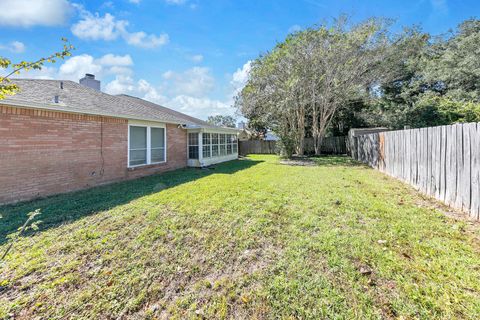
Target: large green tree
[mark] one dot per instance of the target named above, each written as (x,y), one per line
(305,80)
(438,83)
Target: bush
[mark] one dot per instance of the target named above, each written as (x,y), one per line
(285,147)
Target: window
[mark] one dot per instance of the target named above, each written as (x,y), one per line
(146,145)
(223,144)
(193,145)
(157,145)
(229,143)
(206,145)
(234,144)
(138,146)
(215,152)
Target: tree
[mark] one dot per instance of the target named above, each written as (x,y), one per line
(454,65)
(8,88)
(304,81)
(222,121)
(437,82)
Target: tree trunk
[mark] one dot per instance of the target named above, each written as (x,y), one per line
(300,148)
(315,130)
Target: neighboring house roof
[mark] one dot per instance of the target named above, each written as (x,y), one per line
(271,136)
(77,98)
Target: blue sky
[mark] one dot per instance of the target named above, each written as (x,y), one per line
(190,55)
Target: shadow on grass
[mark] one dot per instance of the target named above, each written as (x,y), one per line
(66,208)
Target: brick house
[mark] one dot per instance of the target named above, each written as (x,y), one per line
(60,136)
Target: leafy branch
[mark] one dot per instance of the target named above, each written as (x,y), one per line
(8,88)
(14,236)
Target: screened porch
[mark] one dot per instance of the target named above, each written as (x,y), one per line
(209,147)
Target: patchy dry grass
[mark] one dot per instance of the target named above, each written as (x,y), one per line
(250,239)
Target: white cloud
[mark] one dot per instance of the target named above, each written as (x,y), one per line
(115,70)
(196,81)
(14,46)
(197,58)
(121,84)
(134,1)
(240,77)
(177,2)
(94,27)
(113,60)
(27,13)
(141,88)
(199,107)
(76,67)
(143,40)
(107,27)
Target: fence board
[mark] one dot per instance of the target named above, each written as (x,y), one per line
(466,172)
(475,153)
(443,162)
(330,145)
(459,161)
(443,153)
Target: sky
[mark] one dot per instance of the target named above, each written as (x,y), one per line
(188,55)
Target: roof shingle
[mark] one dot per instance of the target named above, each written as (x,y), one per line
(77,98)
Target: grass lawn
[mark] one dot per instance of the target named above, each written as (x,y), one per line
(251,238)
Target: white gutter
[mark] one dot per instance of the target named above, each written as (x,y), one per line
(203,128)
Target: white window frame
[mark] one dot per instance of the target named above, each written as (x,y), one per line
(224,144)
(209,144)
(149,144)
(198,145)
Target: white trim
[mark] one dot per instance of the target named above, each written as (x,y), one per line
(149,143)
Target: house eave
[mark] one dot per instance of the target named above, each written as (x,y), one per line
(201,128)
(65,108)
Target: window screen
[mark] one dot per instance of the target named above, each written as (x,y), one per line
(157,137)
(138,146)
(206,145)
(193,145)
(223,144)
(215,145)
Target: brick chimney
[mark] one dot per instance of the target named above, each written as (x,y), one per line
(89,81)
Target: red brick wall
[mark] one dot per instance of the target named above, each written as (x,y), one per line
(44,152)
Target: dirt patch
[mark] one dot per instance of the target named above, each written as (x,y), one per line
(305,162)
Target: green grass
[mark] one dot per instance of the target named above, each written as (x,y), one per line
(249,239)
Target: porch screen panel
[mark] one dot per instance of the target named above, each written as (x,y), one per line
(193,146)
(215,151)
(223,144)
(206,145)
(234,143)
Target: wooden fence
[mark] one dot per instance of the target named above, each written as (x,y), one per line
(256,147)
(442,162)
(330,145)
